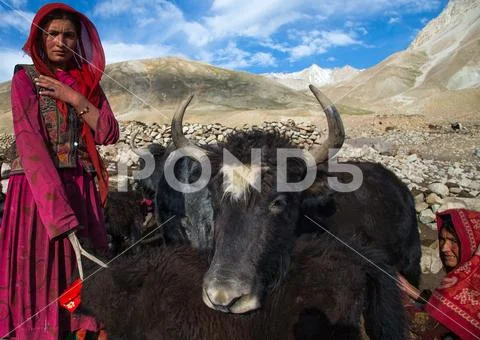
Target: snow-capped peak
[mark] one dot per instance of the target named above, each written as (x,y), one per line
(315,75)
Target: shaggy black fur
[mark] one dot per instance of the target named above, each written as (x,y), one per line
(157,295)
(381,213)
(124,220)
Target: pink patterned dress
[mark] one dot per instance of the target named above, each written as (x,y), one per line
(37,262)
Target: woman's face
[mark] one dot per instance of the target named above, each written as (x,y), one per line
(449,249)
(59,39)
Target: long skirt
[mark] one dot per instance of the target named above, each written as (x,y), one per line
(34,270)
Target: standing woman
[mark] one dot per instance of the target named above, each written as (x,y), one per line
(59,114)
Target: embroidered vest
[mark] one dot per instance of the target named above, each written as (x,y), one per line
(65,142)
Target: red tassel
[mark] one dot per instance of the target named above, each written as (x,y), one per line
(70,299)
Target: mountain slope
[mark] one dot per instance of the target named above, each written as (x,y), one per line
(438,75)
(165,81)
(452,42)
(150,91)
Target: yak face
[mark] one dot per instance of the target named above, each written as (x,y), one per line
(148,186)
(254,224)
(255,216)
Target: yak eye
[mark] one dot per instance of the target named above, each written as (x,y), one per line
(278,204)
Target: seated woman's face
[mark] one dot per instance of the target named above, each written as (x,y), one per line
(449,249)
(59,38)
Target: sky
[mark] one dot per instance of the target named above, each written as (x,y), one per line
(257,36)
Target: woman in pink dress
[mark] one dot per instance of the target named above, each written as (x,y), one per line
(59,114)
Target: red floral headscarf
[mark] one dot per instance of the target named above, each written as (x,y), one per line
(456,303)
(87,69)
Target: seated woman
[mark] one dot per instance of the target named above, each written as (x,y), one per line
(453,309)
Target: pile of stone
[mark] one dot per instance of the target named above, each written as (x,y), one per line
(443,178)
(5,141)
(441,197)
(303,134)
(6,147)
(451,181)
(460,178)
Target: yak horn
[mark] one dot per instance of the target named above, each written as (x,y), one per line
(178,137)
(336,132)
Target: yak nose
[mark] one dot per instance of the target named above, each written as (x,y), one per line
(221,294)
(226,298)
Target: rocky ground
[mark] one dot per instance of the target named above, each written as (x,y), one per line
(439,162)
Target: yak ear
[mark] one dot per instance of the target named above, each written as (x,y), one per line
(318,200)
(317,204)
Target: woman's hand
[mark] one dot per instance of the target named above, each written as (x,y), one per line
(53,88)
(58,90)
(408,288)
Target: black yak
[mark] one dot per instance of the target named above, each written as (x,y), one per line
(255,226)
(381,211)
(255,221)
(192,212)
(157,295)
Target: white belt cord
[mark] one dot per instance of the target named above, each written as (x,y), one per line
(79,251)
